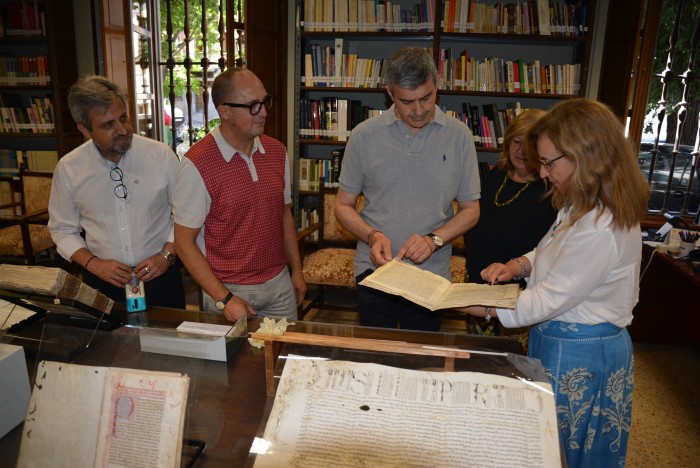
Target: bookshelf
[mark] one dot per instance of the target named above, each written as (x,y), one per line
(37,66)
(493,59)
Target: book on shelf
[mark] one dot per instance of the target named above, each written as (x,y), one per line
(336,166)
(543,24)
(108,410)
(10,161)
(435,292)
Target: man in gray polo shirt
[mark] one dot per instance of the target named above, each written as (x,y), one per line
(410,163)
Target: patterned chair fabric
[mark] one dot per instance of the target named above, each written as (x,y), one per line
(27,235)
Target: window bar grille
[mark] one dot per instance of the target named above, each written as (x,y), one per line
(667,78)
(189,62)
(688,79)
(188,73)
(205,67)
(170,67)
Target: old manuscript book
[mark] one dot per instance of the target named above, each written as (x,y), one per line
(435,292)
(85,416)
(53,282)
(340,413)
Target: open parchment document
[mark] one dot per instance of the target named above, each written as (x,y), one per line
(346,414)
(435,292)
(85,416)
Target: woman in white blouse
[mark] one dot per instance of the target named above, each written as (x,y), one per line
(583,277)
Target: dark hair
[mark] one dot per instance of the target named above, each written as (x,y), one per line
(92,92)
(409,67)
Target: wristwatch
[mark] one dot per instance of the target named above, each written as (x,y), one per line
(221,305)
(437,240)
(169,256)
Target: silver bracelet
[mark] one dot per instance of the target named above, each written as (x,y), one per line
(523,271)
(487,317)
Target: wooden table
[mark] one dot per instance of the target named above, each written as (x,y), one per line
(227,404)
(668,311)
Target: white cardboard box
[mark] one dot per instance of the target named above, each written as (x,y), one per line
(14,387)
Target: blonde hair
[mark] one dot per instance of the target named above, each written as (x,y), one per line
(518,127)
(606,174)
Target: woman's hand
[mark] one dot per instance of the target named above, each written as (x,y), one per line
(498,273)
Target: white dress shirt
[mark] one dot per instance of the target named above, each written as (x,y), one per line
(587,273)
(128,230)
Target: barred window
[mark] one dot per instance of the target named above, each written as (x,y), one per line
(668,155)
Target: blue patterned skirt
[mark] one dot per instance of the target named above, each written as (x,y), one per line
(591,369)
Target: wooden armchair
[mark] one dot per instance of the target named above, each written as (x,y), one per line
(25,235)
(331,264)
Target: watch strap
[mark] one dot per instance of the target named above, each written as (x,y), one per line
(437,240)
(228,297)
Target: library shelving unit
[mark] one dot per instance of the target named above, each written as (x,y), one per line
(493,58)
(37,66)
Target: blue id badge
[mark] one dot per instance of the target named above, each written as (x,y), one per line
(135,295)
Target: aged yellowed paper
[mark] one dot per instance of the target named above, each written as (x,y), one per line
(435,292)
(338,413)
(103,416)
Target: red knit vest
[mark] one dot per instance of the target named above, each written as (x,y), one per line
(244,230)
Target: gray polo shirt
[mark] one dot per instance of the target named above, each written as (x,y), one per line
(409,182)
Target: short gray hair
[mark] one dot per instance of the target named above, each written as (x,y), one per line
(409,67)
(92,92)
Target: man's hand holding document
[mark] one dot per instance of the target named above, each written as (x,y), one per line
(435,292)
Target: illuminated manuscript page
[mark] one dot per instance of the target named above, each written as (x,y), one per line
(85,416)
(435,292)
(345,414)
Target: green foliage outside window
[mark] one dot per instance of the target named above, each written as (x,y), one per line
(194,11)
(679,66)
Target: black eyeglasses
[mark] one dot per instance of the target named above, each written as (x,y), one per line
(117,175)
(254,107)
(548,162)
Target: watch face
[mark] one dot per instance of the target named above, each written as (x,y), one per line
(220,305)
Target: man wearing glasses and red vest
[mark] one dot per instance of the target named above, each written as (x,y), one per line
(117,187)
(234,228)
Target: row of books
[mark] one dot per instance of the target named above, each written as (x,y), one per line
(37,118)
(331,66)
(32,160)
(368,15)
(24,71)
(25,18)
(41,160)
(533,17)
(507,76)
(311,171)
(488,123)
(331,118)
